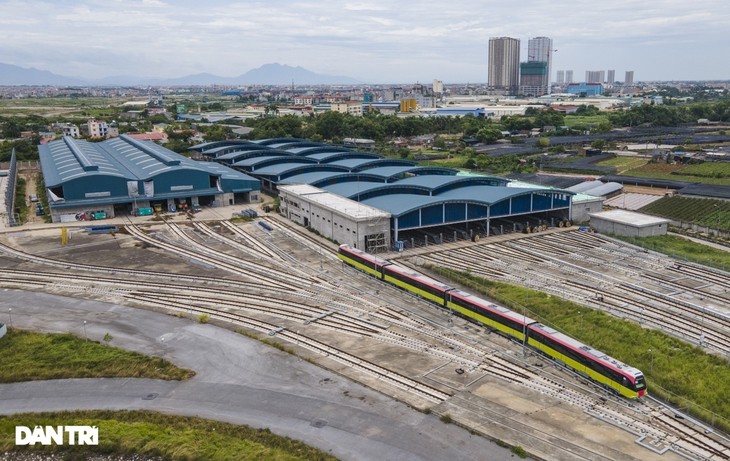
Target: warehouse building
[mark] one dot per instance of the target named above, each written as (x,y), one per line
(336,217)
(628,223)
(87,180)
(406,203)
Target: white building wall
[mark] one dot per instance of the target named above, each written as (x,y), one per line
(332,224)
(627,230)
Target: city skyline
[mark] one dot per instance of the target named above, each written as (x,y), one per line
(372,41)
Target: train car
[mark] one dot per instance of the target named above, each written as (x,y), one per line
(614,375)
(491,315)
(416,283)
(360,260)
(619,377)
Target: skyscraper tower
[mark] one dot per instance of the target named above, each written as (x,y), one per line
(541,49)
(629,79)
(504,65)
(611,78)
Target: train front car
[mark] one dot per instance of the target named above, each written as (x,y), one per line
(363,261)
(609,372)
(491,315)
(416,283)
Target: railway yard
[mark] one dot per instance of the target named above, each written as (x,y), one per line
(279,283)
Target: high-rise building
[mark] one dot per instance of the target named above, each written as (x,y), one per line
(438,87)
(504,65)
(611,77)
(629,79)
(595,76)
(540,49)
(561,77)
(534,78)
(568,76)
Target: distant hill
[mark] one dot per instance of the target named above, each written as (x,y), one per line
(15,75)
(280,74)
(268,74)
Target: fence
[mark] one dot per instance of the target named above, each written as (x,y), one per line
(10,191)
(698,228)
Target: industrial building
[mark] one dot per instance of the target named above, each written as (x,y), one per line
(628,223)
(336,217)
(378,203)
(86,180)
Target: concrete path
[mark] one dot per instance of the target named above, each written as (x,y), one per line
(239,380)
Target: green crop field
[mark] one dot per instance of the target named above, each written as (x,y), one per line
(705,212)
(713,173)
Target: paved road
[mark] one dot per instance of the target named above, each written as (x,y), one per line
(238,380)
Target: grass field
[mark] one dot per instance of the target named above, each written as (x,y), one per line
(169,437)
(623,164)
(682,248)
(716,174)
(676,370)
(30,356)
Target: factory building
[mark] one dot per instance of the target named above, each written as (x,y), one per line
(85,180)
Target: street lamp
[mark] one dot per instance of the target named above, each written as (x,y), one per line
(85,337)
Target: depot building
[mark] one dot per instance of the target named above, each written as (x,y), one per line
(119,175)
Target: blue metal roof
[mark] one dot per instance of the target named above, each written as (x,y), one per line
(105,172)
(352,190)
(311,177)
(387,172)
(69,158)
(258,162)
(282,169)
(248,153)
(307,151)
(267,142)
(400,204)
(370,162)
(326,157)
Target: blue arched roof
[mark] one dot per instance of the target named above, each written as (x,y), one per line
(232,157)
(307,151)
(327,157)
(286,170)
(357,164)
(256,163)
(269,141)
(401,204)
(213,144)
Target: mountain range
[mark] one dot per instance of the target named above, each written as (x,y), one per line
(268,74)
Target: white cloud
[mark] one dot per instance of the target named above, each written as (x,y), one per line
(371,40)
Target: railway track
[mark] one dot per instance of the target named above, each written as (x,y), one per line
(355,316)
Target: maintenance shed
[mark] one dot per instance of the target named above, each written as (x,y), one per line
(85,180)
(628,223)
(336,217)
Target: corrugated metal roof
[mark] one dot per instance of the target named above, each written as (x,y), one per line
(400,204)
(371,162)
(124,157)
(310,177)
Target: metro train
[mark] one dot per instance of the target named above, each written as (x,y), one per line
(607,371)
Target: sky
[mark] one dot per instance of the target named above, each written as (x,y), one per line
(373,41)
